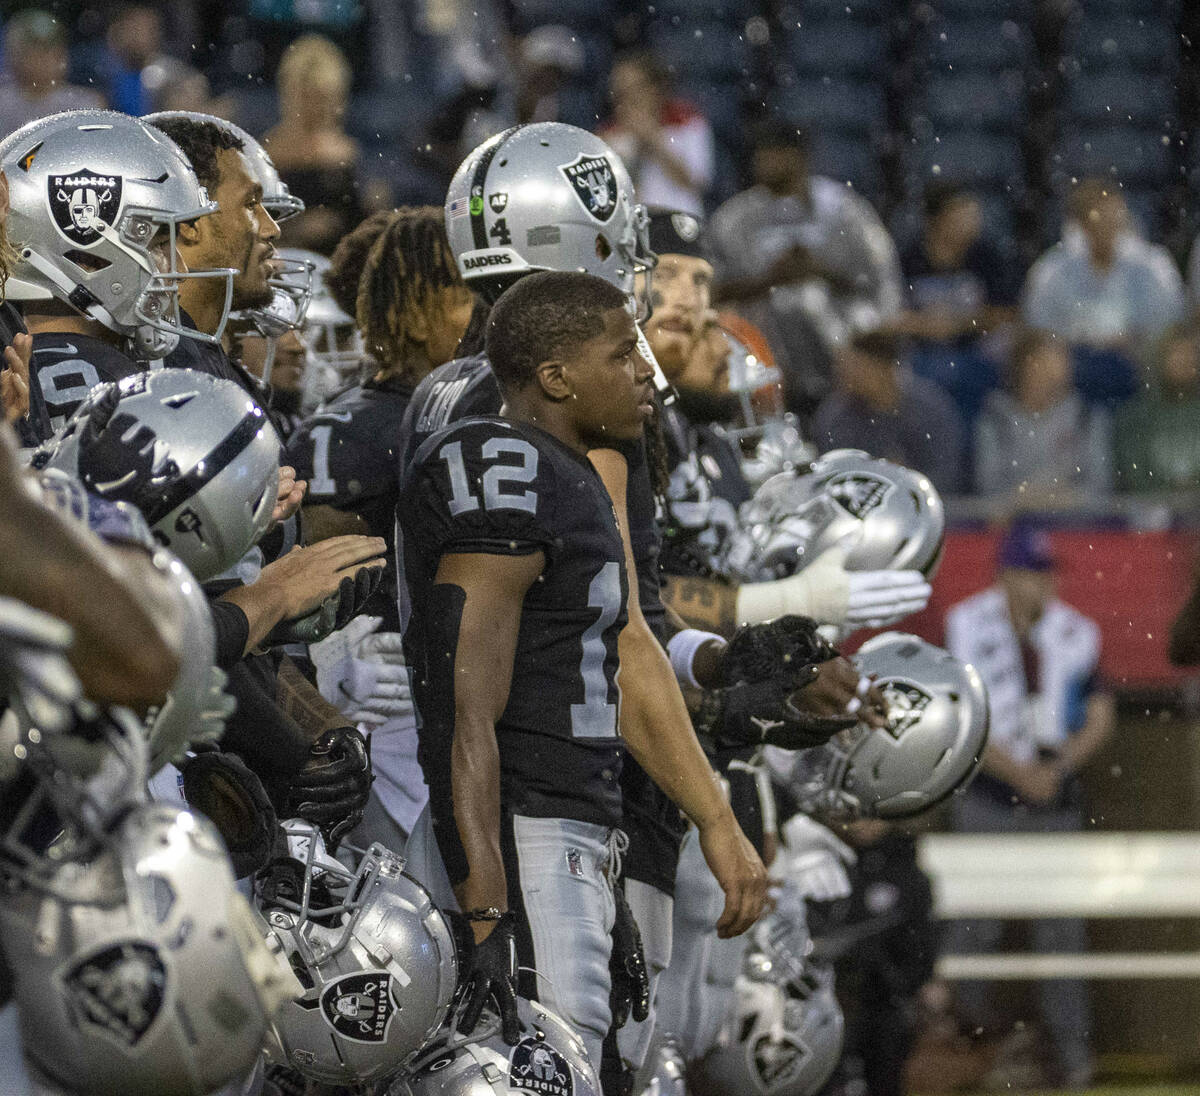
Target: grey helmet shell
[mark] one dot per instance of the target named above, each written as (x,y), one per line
(549,1058)
(218,500)
(545,196)
(378,966)
(933,744)
(142,970)
(890,518)
(96,199)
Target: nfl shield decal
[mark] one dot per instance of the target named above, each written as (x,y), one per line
(119,990)
(83,203)
(595,185)
(360,1006)
(534,1066)
(905,703)
(857,492)
(776,1060)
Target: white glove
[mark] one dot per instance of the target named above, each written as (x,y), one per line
(830,594)
(361,672)
(816,859)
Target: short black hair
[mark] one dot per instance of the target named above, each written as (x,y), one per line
(943,193)
(541,316)
(200,143)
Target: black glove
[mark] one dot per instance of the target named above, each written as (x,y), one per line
(488,974)
(221,787)
(762,713)
(332,788)
(627,966)
(117,458)
(788,645)
(335,612)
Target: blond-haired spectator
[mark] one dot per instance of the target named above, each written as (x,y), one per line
(315,155)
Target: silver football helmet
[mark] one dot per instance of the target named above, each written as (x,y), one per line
(545,196)
(96,201)
(292,280)
(142,970)
(197,705)
(933,743)
(549,1058)
(375,956)
(890,516)
(336,355)
(665,1072)
(215,463)
(782,1038)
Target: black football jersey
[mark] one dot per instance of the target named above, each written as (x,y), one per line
(210,359)
(346,451)
(64,368)
(491,486)
(458,389)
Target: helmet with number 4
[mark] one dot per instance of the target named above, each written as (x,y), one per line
(142,970)
(545,196)
(549,1059)
(96,201)
(932,745)
(890,517)
(782,1038)
(375,956)
(206,474)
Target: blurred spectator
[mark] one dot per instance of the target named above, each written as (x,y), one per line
(1039,438)
(171,84)
(1158,434)
(1039,659)
(550,57)
(960,285)
(883,943)
(1102,286)
(134,46)
(880,406)
(315,155)
(805,258)
(35,61)
(666,143)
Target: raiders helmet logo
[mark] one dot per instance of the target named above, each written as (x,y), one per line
(360,1006)
(905,703)
(83,203)
(118,990)
(777,1059)
(595,185)
(534,1066)
(857,492)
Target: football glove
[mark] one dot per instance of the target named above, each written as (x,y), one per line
(489,975)
(361,671)
(332,788)
(220,787)
(630,993)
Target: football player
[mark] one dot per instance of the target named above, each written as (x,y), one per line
(100,200)
(413,308)
(516,570)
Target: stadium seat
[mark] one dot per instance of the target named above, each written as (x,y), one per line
(847,106)
(721,105)
(972,157)
(1163,8)
(731,12)
(700,51)
(837,48)
(982,9)
(846,159)
(1120,98)
(1144,45)
(575,14)
(870,11)
(1125,153)
(974,100)
(977,45)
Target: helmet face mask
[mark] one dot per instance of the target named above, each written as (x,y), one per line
(96,201)
(932,746)
(375,957)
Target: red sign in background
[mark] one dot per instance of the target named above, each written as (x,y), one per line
(1131,583)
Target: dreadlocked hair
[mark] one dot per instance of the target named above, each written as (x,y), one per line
(408,262)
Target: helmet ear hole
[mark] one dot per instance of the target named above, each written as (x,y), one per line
(603,248)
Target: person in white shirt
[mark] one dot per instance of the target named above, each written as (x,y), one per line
(1039,659)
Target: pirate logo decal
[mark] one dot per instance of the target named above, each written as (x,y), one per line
(905,703)
(83,204)
(118,990)
(777,1059)
(857,492)
(535,1066)
(595,185)
(360,1006)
